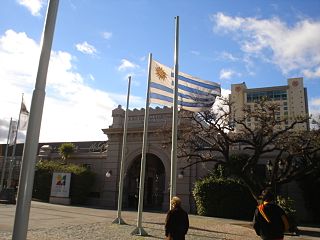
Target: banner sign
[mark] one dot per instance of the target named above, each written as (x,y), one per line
(60,184)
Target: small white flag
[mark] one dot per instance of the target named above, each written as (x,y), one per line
(12,132)
(24,117)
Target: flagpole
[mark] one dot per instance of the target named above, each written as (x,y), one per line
(5,158)
(14,149)
(173,179)
(21,220)
(119,220)
(139,230)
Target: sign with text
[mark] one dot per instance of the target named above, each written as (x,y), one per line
(60,186)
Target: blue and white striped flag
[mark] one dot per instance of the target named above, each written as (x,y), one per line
(194,94)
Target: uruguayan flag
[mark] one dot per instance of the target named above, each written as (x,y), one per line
(194,94)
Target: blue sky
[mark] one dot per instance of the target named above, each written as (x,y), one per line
(99,43)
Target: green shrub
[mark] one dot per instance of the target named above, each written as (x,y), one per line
(223,197)
(287,204)
(81,180)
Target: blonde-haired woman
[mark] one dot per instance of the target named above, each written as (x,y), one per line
(177,221)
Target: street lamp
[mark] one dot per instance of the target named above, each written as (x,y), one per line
(269,169)
(109,174)
(269,166)
(181,174)
(274,177)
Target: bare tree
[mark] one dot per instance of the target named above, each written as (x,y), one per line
(211,136)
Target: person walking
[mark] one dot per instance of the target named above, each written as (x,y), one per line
(270,221)
(177,221)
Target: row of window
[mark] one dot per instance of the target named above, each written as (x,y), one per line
(274,95)
(286,123)
(256,120)
(285,107)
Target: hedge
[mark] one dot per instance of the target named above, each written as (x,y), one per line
(223,197)
(81,180)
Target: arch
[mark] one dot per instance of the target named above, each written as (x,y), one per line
(155,179)
(162,154)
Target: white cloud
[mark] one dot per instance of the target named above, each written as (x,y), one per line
(312,73)
(227,74)
(126,65)
(67,114)
(225,92)
(314,108)
(142,59)
(86,48)
(315,102)
(226,22)
(292,48)
(107,35)
(194,52)
(34,6)
(228,56)
(91,77)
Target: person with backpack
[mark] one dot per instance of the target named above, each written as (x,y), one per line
(270,221)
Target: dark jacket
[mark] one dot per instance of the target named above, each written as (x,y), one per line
(270,226)
(177,223)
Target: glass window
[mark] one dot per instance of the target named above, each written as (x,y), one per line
(284,95)
(270,95)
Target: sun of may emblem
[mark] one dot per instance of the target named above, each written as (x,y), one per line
(161,74)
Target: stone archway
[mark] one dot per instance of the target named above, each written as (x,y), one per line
(154,183)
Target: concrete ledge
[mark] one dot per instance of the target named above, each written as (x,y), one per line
(60,200)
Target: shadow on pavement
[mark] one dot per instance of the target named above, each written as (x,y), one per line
(207,230)
(201,236)
(310,233)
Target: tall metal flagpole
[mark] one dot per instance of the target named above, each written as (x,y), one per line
(21,220)
(119,220)
(5,158)
(173,178)
(14,149)
(139,230)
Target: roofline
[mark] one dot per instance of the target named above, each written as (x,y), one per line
(266,89)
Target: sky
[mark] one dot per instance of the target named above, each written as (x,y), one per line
(99,43)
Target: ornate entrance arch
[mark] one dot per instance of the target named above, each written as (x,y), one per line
(156,195)
(154,182)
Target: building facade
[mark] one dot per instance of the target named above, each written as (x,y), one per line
(105,157)
(291,98)
(157,177)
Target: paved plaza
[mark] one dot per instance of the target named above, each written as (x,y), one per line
(49,221)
